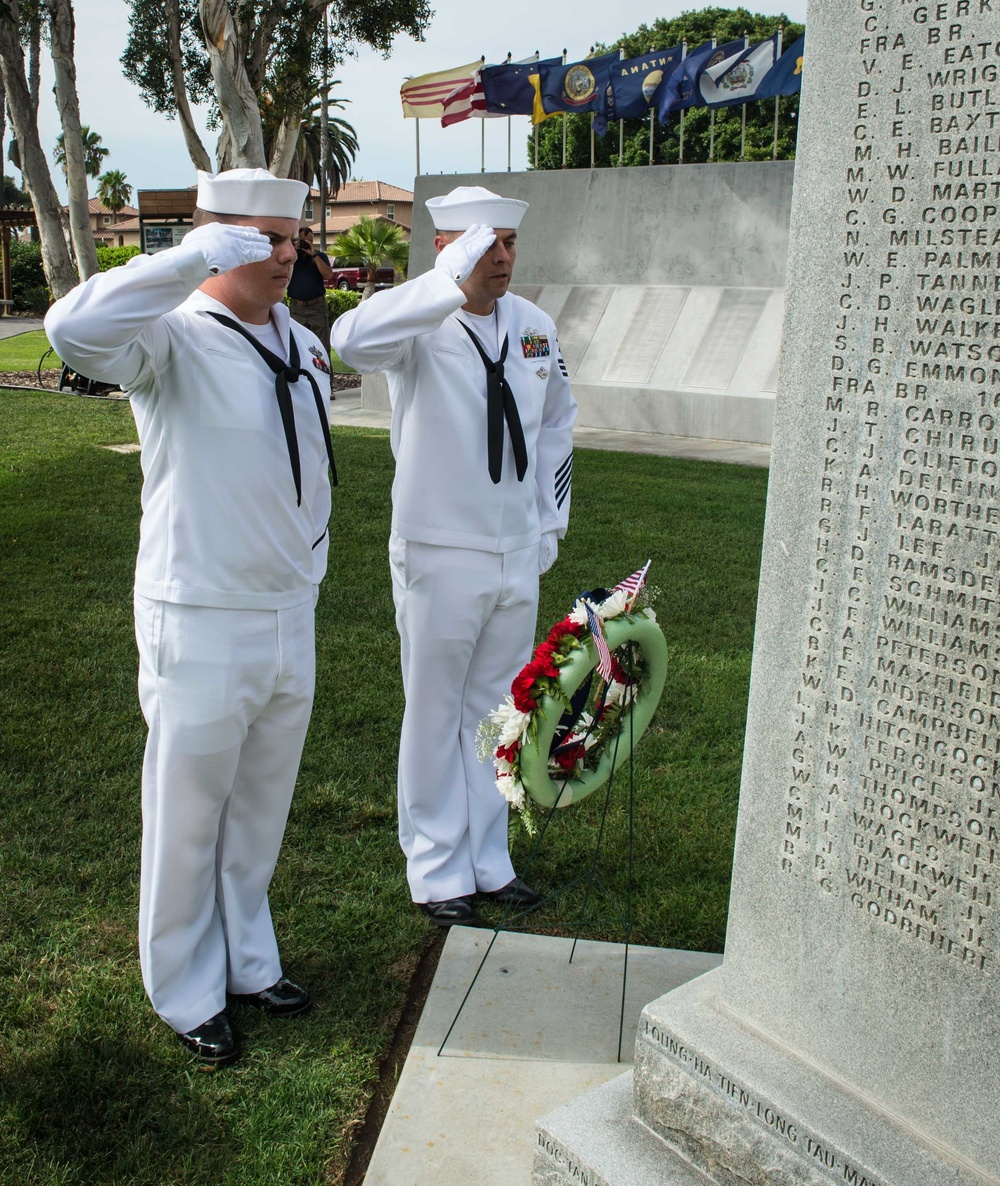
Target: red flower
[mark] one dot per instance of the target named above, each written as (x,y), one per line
(508,752)
(543,663)
(567,758)
(561,629)
(521,690)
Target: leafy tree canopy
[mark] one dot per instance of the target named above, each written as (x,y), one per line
(698,26)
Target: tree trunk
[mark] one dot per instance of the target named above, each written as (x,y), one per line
(285,143)
(196,150)
(237,99)
(68,104)
(35,168)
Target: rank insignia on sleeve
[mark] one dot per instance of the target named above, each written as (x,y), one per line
(319,362)
(534,344)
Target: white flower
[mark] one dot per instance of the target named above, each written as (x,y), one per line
(511,790)
(511,721)
(578,614)
(504,768)
(614,606)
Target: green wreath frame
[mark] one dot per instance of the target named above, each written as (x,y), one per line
(536,778)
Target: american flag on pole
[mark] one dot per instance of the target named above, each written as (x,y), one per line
(600,644)
(464,101)
(634,583)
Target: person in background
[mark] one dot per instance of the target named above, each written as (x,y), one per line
(307,288)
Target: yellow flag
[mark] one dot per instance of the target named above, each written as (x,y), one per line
(423,97)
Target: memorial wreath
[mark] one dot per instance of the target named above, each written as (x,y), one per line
(560,732)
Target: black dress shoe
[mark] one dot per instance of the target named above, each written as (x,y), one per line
(451,912)
(213,1042)
(514,893)
(283,999)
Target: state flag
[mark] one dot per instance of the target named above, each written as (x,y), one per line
(508,88)
(736,79)
(636,81)
(786,76)
(679,90)
(576,86)
(423,97)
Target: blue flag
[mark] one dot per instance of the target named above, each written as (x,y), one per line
(786,76)
(680,90)
(508,88)
(576,86)
(737,79)
(635,81)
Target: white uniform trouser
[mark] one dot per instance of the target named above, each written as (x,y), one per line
(466,622)
(227,696)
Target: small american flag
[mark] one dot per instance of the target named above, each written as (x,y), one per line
(600,644)
(634,583)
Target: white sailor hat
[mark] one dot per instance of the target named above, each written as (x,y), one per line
(471,205)
(249,192)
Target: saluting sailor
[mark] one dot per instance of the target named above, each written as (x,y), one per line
(230,399)
(482,424)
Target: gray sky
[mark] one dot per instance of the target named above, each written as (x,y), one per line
(150,149)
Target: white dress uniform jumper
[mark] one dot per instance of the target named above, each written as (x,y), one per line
(482,436)
(233,545)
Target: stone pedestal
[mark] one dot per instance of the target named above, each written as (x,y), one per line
(853,1030)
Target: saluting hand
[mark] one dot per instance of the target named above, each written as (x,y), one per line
(458,259)
(226,246)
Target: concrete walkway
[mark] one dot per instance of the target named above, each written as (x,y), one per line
(346,410)
(536,1032)
(10,327)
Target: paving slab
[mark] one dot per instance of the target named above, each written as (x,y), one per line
(347,410)
(535,1032)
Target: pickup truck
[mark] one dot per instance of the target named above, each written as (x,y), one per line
(352,279)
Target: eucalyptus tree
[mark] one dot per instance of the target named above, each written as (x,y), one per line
(239,55)
(304,151)
(19,27)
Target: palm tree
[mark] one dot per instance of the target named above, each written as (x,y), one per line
(372,244)
(94,151)
(113,190)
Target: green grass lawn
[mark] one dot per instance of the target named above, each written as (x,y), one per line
(23,351)
(93,1088)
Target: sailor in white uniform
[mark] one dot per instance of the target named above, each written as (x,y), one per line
(482,423)
(230,398)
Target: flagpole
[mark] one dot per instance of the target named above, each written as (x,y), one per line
(621,122)
(743,126)
(711,123)
(564,122)
(777,100)
(536,146)
(482,146)
(680,148)
(592,140)
(509,55)
(416,128)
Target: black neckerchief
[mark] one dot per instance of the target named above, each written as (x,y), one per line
(285,373)
(500,404)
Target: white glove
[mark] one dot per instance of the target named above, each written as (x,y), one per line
(458,259)
(226,246)
(548,550)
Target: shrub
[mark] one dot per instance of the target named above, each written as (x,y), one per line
(30,292)
(114,257)
(338,302)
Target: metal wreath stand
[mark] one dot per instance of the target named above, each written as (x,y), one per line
(645,695)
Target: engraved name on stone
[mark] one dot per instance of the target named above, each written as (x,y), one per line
(893,789)
(728,1087)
